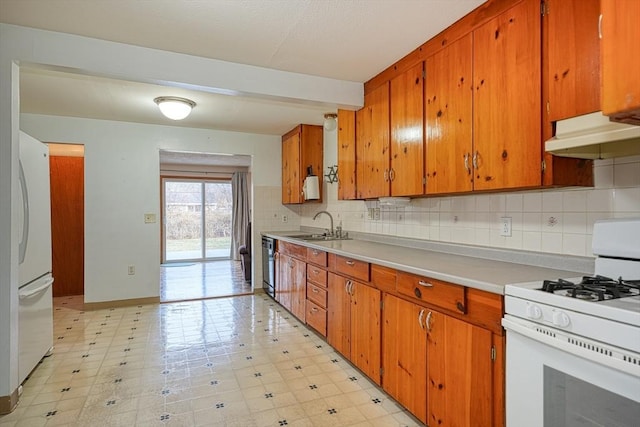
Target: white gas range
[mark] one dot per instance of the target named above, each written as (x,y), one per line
(573,344)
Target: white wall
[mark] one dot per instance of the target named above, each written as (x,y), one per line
(553,221)
(122,184)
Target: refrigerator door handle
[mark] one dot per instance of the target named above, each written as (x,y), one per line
(25,217)
(37,290)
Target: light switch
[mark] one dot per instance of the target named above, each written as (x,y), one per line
(149,218)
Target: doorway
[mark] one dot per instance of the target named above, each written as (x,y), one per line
(66,178)
(196,219)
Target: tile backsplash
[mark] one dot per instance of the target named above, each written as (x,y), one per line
(553,221)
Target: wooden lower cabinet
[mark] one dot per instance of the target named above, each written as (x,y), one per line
(440,368)
(353,323)
(404,355)
(291,288)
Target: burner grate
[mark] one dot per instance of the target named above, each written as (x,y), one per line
(594,288)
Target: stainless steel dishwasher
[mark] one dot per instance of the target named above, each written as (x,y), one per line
(269,265)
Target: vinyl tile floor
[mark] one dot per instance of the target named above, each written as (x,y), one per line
(242,361)
(197,280)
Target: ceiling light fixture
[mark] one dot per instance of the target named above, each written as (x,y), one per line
(330,121)
(173,107)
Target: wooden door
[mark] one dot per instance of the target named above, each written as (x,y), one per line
(346,155)
(365,330)
(407,133)
(372,149)
(620,60)
(573,54)
(291,168)
(298,288)
(449,118)
(67,224)
(459,371)
(404,354)
(338,315)
(506,100)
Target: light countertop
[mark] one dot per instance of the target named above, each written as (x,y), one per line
(475,272)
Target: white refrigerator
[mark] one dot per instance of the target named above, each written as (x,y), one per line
(35,313)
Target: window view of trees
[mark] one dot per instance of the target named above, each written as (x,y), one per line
(190,208)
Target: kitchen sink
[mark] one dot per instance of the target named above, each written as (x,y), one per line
(318,237)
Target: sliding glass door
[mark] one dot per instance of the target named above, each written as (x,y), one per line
(197,219)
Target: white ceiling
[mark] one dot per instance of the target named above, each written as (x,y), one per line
(350,40)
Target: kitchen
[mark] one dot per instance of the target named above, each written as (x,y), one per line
(615,194)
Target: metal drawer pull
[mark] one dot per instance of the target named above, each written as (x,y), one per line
(314,290)
(316,271)
(425,284)
(420,316)
(351,263)
(314,310)
(429,320)
(315,252)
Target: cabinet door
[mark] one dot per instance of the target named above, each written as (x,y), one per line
(459,369)
(372,149)
(620,60)
(404,354)
(407,139)
(365,330)
(449,119)
(506,101)
(573,55)
(290,169)
(338,315)
(283,280)
(298,288)
(346,155)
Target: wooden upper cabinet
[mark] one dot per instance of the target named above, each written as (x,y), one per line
(372,148)
(346,155)
(573,54)
(301,147)
(620,60)
(449,119)
(407,139)
(506,101)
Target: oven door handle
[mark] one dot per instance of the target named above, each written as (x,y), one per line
(604,354)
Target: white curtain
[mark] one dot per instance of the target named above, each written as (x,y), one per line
(240,218)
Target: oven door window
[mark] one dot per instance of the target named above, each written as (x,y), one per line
(572,402)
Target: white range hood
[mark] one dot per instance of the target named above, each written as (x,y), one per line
(593,136)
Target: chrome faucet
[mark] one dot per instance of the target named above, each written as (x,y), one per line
(330,217)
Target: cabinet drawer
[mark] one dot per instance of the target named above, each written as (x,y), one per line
(292,249)
(317,318)
(317,295)
(431,291)
(383,278)
(317,257)
(317,275)
(352,268)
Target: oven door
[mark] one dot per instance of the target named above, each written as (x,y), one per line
(548,386)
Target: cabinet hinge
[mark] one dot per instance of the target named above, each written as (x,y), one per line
(543,166)
(424,180)
(493,353)
(381,371)
(548,108)
(424,74)
(381,305)
(544,8)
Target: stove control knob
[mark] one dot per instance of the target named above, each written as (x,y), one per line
(533,311)
(561,319)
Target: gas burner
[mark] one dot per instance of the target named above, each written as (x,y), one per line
(593,288)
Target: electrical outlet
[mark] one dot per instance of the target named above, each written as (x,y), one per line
(370,213)
(149,218)
(131,270)
(505,226)
(285,218)
(376,214)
